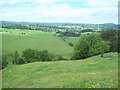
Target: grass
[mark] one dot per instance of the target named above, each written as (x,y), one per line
(13,41)
(93,72)
(73,40)
(0,79)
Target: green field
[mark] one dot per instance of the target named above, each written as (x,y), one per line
(12,41)
(94,72)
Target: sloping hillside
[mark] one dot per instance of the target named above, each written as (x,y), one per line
(13,40)
(92,72)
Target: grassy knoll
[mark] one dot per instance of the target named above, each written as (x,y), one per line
(93,72)
(14,40)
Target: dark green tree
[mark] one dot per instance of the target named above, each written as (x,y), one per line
(29,55)
(15,56)
(111,35)
(90,45)
(45,56)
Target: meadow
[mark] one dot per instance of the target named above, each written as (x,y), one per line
(13,40)
(94,72)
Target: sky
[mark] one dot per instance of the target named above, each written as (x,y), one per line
(72,11)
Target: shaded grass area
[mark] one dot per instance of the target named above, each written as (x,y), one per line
(94,72)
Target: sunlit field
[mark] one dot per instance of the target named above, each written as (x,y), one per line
(94,72)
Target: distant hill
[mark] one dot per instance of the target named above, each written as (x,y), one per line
(105,25)
(55,23)
(110,25)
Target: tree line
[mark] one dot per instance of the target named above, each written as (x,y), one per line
(30,55)
(62,31)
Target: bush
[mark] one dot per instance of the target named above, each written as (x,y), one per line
(68,34)
(15,56)
(32,55)
(4,64)
(29,54)
(70,44)
(44,55)
(58,58)
(20,60)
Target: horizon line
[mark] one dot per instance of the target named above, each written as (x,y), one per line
(55,22)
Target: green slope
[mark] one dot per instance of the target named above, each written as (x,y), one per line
(92,72)
(36,40)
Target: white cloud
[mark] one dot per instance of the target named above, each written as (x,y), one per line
(3,2)
(103,3)
(101,11)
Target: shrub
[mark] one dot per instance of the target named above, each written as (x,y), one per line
(4,62)
(44,55)
(32,55)
(15,56)
(29,54)
(70,44)
(58,58)
(20,60)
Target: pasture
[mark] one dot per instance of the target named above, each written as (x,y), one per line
(93,72)
(14,40)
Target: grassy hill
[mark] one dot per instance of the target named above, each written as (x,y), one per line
(94,72)
(14,40)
